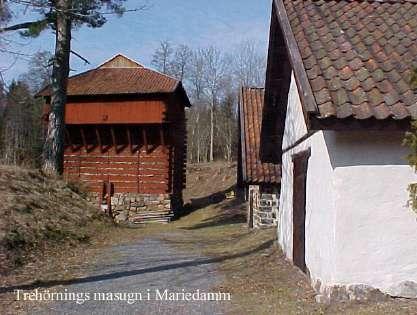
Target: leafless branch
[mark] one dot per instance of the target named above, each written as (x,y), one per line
(21,26)
(81,57)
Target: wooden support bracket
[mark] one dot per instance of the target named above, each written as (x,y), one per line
(68,136)
(113,137)
(84,139)
(145,139)
(100,143)
(129,139)
(162,138)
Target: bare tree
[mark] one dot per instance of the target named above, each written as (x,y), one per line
(249,64)
(2,98)
(212,79)
(181,62)
(5,14)
(40,71)
(162,57)
(214,74)
(196,76)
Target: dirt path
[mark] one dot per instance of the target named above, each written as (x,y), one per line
(151,265)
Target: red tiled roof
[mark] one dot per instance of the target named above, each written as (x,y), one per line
(358,55)
(250,111)
(119,75)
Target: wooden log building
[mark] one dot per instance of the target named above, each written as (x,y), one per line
(125,138)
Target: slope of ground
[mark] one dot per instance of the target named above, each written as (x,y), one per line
(209,180)
(39,212)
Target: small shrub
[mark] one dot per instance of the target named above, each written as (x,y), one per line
(24,209)
(15,240)
(53,234)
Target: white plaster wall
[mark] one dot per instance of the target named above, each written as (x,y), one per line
(376,240)
(320,214)
(359,229)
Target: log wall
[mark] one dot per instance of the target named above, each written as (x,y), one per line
(138,172)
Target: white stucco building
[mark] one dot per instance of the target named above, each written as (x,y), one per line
(341,102)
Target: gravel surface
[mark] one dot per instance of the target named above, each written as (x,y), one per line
(148,266)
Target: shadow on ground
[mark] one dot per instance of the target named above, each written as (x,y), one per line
(232,211)
(118,275)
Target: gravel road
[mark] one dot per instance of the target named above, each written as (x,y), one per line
(144,270)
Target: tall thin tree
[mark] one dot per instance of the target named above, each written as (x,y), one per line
(162,57)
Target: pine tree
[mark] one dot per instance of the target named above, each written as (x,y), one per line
(20,135)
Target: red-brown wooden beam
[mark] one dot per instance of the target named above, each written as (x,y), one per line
(145,139)
(100,143)
(129,139)
(113,137)
(162,137)
(84,139)
(108,200)
(68,136)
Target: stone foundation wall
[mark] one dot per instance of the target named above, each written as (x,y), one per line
(264,203)
(141,208)
(362,292)
(343,293)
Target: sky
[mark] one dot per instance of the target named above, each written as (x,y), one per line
(196,23)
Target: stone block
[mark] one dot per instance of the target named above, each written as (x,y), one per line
(406,289)
(265,209)
(265,203)
(267,196)
(267,221)
(121,217)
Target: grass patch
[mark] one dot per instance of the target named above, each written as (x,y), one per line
(41,212)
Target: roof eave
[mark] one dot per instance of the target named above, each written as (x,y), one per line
(242,135)
(306,94)
(183,93)
(351,123)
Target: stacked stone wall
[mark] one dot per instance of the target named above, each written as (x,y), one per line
(141,208)
(264,203)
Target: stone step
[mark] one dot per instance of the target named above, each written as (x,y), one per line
(152,216)
(151,220)
(153,213)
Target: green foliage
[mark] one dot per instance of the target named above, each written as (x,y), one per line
(21,130)
(414,78)
(82,12)
(14,239)
(410,140)
(35,28)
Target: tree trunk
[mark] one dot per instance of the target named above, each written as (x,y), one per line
(53,150)
(211,132)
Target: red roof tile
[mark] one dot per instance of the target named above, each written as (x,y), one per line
(250,110)
(358,55)
(119,75)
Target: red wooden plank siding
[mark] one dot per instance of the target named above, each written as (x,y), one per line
(137,172)
(115,112)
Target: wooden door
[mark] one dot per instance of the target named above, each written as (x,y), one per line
(300,162)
